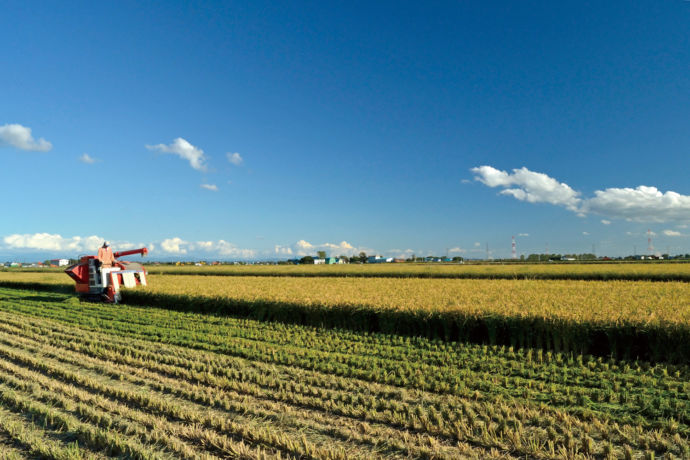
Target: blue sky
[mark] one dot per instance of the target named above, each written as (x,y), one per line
(357,126)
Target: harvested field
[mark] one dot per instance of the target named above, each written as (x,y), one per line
(80,380)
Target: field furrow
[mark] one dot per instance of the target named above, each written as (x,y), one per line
(156,383)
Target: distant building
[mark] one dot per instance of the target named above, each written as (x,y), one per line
(59,262)
(318,261)
(330,260)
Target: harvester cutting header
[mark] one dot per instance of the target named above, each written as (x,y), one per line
(99,277)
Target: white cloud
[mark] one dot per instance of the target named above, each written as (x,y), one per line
(477,244)
(174,245)
(52,242)
(585,233)
(672,233)
(212,248)
(641,204)
(682,226)
(234,158)
(456,250)
(227,249)
(211,187)
(88,159)
(305,248)
(523,234)
(605,222)
(20,137)
(283,250)
(529,186)
(184,150)
(342,246)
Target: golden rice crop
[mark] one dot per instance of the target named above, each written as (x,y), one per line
(600,271)
(608,302)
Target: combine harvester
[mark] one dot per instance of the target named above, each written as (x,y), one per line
(99,277)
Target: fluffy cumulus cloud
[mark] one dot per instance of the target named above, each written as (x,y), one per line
(304,248)
(672,233)
(457,250)
(530,186)
(214,249)
(641,204)
(235,158)
(76,245)
(20,137)
(605,222)
(182,148)
(52,242)
(88,159)
(211,187)
(174,245)
(282,250)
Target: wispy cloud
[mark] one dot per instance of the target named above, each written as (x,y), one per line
(88,159)
(212,187)
(641,204)
(182,148)
(523,234)
(672,233)
(20,137)
(605,222)
(235,158)
(585,233)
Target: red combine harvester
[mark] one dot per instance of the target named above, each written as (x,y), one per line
(99,277)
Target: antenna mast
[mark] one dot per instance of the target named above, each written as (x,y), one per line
(513,252)
(650,248)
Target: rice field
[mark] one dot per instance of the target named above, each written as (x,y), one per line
(640,319)
(630,271)
(87,381)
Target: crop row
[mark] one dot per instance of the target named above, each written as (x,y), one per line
(607,271)
(626,319)
(576,271)
(271,388)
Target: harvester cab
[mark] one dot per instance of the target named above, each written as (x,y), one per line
(101,282)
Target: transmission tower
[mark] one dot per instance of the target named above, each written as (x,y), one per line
(650,248)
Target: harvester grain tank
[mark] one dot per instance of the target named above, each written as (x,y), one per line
(100,277)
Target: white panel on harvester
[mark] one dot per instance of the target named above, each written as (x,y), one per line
(129,280)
